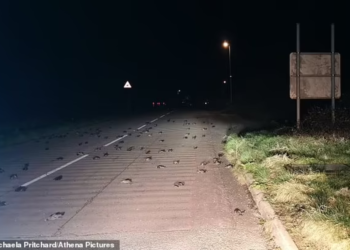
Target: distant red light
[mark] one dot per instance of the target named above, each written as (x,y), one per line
(158,103)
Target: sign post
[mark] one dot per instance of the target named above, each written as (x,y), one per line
(333,74)
(298,75)
(127,85)
(314,76)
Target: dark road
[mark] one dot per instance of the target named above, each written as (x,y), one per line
(119,180)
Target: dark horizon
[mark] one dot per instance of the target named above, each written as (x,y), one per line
(60,56)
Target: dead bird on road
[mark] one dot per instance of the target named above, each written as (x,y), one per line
(216,161)
(55,216)
(58,178)
(127,181)
(13,176)
(239,211)
(179,183)
(229,166)
(25,168)
(203,163)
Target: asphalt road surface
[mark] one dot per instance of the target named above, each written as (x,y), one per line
(148,213)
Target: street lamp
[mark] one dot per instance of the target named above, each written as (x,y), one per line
(227,45)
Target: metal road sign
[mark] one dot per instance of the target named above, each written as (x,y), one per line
(315,75)
(127,85)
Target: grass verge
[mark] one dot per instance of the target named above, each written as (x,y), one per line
(290,169)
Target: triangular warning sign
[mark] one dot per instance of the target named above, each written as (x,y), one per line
(127,85)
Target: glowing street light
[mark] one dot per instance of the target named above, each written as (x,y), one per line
(227,45)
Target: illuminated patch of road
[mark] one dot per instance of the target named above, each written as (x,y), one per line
(76,160)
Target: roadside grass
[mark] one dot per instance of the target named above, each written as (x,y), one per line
(313,204)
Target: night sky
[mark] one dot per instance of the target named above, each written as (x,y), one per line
(60,57)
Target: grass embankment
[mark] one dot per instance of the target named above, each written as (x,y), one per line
(313,204)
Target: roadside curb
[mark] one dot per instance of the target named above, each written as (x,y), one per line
(272,223)
(276,228)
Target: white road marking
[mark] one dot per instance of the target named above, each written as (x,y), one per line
(141,127)
(74,161)
(53,171)
(115,140)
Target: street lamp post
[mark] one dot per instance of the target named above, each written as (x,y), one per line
(227,45)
